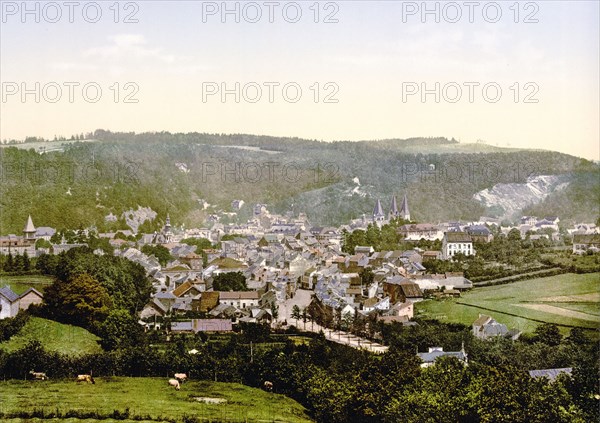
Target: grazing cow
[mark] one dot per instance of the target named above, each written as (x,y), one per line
(174,383)
(38,375)
(85,378)
(268,386)
(181,377)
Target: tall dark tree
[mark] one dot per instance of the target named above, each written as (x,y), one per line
(26,262)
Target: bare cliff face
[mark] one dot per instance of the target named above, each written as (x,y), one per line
(507,200)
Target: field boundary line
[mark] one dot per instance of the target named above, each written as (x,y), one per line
(523,317)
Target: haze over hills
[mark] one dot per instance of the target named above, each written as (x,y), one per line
(193,175)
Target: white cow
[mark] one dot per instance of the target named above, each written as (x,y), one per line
(181,377)
(174,383)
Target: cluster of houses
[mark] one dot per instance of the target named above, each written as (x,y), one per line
(278,254)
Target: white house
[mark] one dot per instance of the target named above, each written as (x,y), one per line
(239,299)
(457,242)
(434,353)
(583,243)
(9,303)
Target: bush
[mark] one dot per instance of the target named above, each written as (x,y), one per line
(12,326)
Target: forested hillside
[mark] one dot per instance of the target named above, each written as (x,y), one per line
(331,182)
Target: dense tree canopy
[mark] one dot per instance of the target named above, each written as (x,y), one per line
(161,253)
(113,281)
(80,300)
(230,281)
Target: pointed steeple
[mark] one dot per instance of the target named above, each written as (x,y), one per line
(378,210)
(404,212)
(29,230)
(394,208)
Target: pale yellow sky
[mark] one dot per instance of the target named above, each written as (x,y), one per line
(369,57)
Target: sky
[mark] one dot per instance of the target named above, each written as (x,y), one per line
(519,74)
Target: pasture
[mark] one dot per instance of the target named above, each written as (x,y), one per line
(145,399)
(54,336)
(20,284)
(568,299)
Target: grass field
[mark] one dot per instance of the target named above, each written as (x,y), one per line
(148,398)
(569,299)
(20,284)
(54,336)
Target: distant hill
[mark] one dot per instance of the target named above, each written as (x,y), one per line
(193,175)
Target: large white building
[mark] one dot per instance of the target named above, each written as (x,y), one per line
(457,242)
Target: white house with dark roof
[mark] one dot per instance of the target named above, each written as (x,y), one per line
(9,303)
(434,353)
(586,242)
(486,327)
(457,242)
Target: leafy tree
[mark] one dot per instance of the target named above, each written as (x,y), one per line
(367,276)
(125,281)
(255,332)
(18,263)
(548,334)
(577,336)
(230,281)
(161,253)
(296,313)
(200,243)
(10,263)
(26,262)
(304,316)
(120,330)
(514,235)
(42,243)
(80,301)
(274,311)
(46,264)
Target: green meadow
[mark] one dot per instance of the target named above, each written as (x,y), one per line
(20,284)
(54,336)
(144,399)
(566,300)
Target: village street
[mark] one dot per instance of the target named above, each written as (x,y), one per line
(302,299)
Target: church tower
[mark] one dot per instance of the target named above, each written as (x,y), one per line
(167,232)
(404,212)
(29,231)
(394,213)
(378,214)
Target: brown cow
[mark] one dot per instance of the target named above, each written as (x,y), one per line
(85,378)
(268,386)
(38,375)
(174,383)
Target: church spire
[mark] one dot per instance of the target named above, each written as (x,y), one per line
(29,230)
(394,209)
(378,214)
(378,210)
(404,212)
